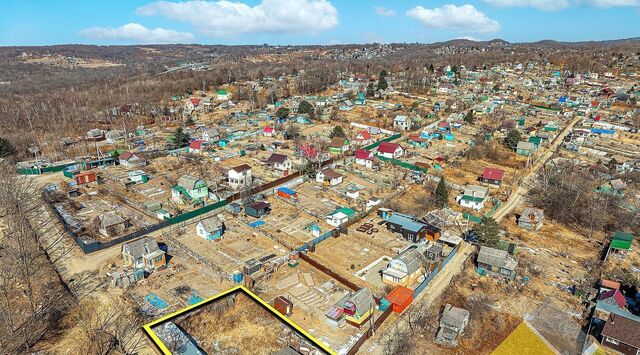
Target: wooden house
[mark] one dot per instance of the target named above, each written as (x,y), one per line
(258,209)
(496,262)
(531,218)
(210,228)
(143,253)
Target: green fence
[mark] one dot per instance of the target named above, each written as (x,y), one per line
(193,214)
(48,169)
(403,164)
(388,139)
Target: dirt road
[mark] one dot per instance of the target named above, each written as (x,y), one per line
(518,195)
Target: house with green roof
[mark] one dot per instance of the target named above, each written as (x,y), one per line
(620,244)
(223,95)
(190,190)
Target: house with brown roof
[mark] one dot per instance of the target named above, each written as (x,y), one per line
(240,177)
(131,159)
(279,162)
(329,177)
(621,334)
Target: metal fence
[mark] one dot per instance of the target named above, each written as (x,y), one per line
(388,139)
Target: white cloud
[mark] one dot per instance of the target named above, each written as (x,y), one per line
(383,11)
(553,5)
(547,5)
(464,18)
(135,32)
(225,18)
(613,3)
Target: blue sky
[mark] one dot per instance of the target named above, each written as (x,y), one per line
(45,22)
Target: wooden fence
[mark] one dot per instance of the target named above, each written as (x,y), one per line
(371,331)
(329,272)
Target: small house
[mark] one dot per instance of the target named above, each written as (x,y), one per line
(280,162)
(143,253)
(138,176)
(400,298)
(620,244)
(473,197)
(210,228)
(417,141)
(258,209)
(251,266)
(452,324)
(390,150)
(346,105)
(131,159)
(525,148)
(195,147)
(365,158)
(404,269)
(329,177)
(402,122)
(283,305)
(434,253)
(335,316)
(339,145)
(240,177)
(110,224)
(223,95)
(85,178)
(210,135)
(492,176)
(531,218)
(411,229)
(269,131)
(340,216)
(189,190)
(496,262)
(363,138)
(359,307)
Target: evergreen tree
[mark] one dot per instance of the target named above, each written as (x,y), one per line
(282,112)
(180,138)
(6,148)
(513,137)
(382,83)
(442,193)
(488,232)
(337,132)
(306,107)
(431,69)
(469,117)
(383,73)
(371,90)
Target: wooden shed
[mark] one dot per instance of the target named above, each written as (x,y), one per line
(283,305)
(85,178)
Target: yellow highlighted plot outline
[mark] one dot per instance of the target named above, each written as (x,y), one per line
(253,296)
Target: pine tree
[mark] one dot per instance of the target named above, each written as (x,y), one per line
(469,117)
(181,138)
(442,193)
(513,137)
(488,232)
(382,83)
(371,90)
(337,132)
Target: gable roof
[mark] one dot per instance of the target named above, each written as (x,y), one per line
(493,173)
(141,247)
(454,317)
(276,158)
(330,174)
(241,168)
(197,144)
(531,214)
(110,218)
(613,296)
(188,182)
(338,142)
(493,257)
(211,224)
(365,135)
(412,259)
(363,300)
(622,329)
(363,154)
(386,147)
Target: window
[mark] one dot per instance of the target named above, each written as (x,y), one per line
(612,341)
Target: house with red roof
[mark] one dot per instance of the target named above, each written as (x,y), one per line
(363,138)
(269,131)
(390,150)
(365,158)
(195,147)
(195,101)
(614,298)
(417,141)
(492,176)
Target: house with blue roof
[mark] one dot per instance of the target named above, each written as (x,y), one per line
(406,225)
